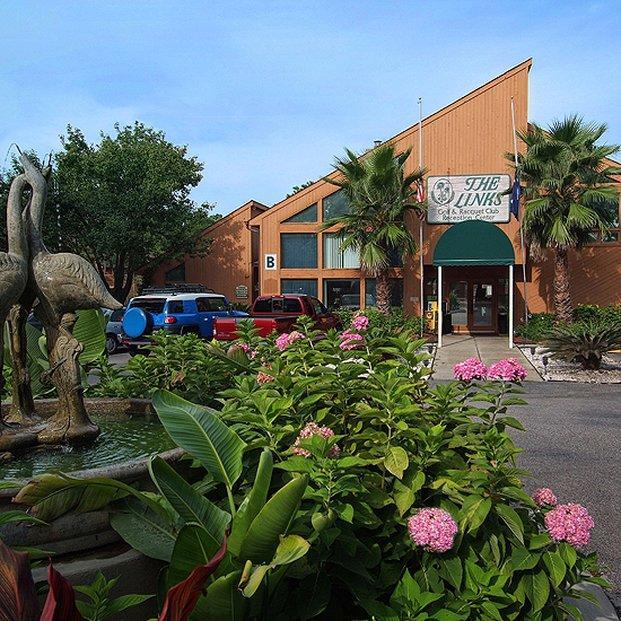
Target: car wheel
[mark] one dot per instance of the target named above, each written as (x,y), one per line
(111,344)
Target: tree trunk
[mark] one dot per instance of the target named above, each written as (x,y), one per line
(382,293)
(561,285)
(71,422)
(23,407)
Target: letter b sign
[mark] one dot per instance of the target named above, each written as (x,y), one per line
(270,261)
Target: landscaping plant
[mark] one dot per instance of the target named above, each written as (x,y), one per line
(332,481)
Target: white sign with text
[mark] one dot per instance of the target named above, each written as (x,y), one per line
(456,198)
(271,261)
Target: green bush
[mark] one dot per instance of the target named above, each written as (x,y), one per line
(318,521)
(396,321)
(584,342)
(604,314)
(538,327)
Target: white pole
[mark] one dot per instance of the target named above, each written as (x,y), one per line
(440,309)
(420,224)
(511,306)
(523,248)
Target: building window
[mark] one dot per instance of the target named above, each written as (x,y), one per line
(302,286)
(335,205)
(396,292)
(334,258)
(342,293)
(298,250)
(306,215)
(176,274)
(610,214)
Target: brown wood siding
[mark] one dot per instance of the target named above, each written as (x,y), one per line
(230,260)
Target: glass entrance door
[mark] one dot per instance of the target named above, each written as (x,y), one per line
(458,303)
(482,317)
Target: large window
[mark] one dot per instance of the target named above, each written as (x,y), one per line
(396,292)
(298,250)
(335,205)
(333,258)
(306,215)
(342,293)
(303,286)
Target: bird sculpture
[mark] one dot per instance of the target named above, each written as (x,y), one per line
(14,263)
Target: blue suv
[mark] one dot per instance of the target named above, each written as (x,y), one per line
(176,313)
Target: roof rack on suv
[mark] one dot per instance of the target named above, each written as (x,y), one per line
(181,287)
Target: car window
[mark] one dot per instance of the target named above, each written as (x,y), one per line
(152,305)
(263,306)
(175,306)
(277,305)
(320,309)
(291,305)
(205,305)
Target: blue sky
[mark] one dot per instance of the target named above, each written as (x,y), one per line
(266,93)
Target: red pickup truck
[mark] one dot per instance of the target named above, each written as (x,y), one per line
(277,313)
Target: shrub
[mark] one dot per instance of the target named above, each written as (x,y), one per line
(584,342)
(538,327)
(361,460)
(591,312)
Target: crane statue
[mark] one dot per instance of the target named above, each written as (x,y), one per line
(62,284)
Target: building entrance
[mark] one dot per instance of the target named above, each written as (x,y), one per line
(477,305)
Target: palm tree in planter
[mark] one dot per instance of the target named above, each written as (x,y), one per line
(567,178)
(380,194)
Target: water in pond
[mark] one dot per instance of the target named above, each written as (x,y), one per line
(120,440)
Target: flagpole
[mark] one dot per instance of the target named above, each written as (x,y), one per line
(420,223)
(515,158)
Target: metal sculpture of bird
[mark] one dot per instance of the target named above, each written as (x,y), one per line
(14,263)
(65,282)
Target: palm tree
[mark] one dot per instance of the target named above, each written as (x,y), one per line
(379,194)
(567,179)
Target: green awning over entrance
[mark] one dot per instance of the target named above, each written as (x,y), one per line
(474,242)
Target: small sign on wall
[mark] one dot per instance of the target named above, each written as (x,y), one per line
(241,292)
(271,261)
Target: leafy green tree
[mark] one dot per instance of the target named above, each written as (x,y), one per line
(380,195)
(124,203)
(567,177)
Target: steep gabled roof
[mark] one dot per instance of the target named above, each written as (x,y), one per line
(527,64)
(248,204)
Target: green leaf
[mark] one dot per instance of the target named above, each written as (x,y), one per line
(568,554)
(511,518)
(187,502)
(453,570)
(290,549)
(522,559)
(403,496)
(556,567)
(253,503)
(222,601)
(90,330)
(10,517)
(539,541)
(272,521)
(200,432)
(124,602)
(537,589)
(194,546)
(396,461)
(255,580)
(144,530)
(474,511)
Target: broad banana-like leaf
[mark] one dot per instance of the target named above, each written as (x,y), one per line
(186,501)
(145,530)
(201,433)
(194,547)
(53,495)
(90,330)
(272,521)
(181,599)
(253,503)
(18,595)
(222,601)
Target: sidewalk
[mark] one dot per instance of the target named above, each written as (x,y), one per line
(489,349)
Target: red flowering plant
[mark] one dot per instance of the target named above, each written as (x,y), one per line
(352,488)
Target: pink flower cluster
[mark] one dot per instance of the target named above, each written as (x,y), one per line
(470,369)
(571,523)
(351,340)
(264,378)
(251,353)
(360,322)
(285,339)
(313,429)
(544,496)
(433,529)
(508,370)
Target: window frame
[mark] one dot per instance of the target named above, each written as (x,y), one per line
(309,235)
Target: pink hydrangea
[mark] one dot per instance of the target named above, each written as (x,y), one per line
(508,370)
(313,429)
(351,340)
(544,496)
(571,523)
(285,339)
(251,353)
(470,369)
(433,529)
(264,378)
(360,322)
